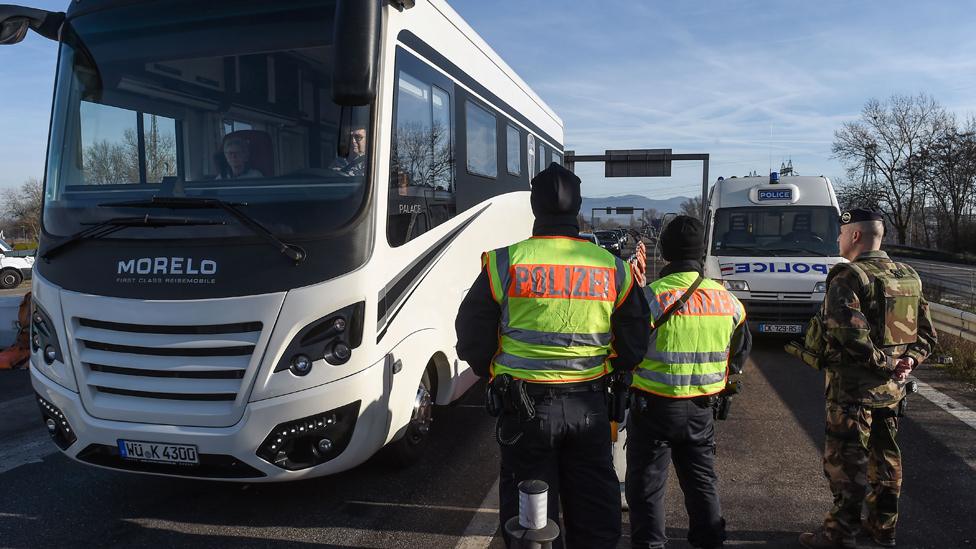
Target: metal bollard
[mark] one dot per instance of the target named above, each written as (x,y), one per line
(532,528)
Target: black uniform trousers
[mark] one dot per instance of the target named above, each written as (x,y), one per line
(568,446)
(662,430)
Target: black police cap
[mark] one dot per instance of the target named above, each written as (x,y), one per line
(857,215)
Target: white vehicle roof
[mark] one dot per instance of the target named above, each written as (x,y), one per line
(474,56)
(741,192)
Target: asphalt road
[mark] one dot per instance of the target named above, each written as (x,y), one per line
(768,462)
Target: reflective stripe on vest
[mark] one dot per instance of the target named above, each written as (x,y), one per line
(689,355)
(556,296)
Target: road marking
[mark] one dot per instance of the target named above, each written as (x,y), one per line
(419,506)
(15,403)
(24,447)
(948,404)
(30,447)
(481,530)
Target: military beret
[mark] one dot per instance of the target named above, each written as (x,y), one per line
(860,214)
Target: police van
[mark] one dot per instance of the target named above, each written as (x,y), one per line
(772,242)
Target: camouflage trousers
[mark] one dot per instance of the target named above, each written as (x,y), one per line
(862,462)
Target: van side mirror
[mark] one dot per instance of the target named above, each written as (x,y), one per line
(16,20)
(356,47)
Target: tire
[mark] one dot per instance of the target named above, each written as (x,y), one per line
(10,278)
(412,445)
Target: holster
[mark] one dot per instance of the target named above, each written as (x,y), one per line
(722,402)
(507,394)
(618,396)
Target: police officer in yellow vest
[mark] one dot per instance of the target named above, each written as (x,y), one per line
(698,335)
(549,318)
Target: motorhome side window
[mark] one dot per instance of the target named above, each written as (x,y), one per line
(482,144)
(422,193)
(514,145)
(541,156)
(530,152)
(557,158)
(113,153)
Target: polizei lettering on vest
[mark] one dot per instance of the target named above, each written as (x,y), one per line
(168,266)
(563,281)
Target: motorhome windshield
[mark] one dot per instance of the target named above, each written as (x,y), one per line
(776,231)
(223,99)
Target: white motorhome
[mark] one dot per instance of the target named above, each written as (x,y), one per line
(772,241)
(259,221)
(15,266)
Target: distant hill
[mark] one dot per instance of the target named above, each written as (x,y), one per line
(634,200)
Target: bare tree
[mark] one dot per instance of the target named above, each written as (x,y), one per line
(884,143)
(22,207)
(116,162)
(423,153)
(692,207)
(949,165)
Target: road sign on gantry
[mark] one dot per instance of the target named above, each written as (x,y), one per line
(638,163)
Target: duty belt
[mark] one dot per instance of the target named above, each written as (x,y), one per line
(552,389)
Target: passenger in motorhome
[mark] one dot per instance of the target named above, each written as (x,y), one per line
(353,163)
(237,153)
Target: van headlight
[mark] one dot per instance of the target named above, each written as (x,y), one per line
(820,288)
(736,285)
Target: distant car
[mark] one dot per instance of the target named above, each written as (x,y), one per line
(609,241)
(15,266)
(591,237)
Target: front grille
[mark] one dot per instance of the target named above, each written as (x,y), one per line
(196,371)
(779,311)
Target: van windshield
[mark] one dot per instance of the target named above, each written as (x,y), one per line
(776,231)
(224,99)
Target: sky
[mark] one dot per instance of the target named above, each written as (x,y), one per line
(751,83)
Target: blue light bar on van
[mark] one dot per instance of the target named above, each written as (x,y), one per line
(773,178)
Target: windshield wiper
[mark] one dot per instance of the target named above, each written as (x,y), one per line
(290,251)
(109,226)
(816,253)
(727,247)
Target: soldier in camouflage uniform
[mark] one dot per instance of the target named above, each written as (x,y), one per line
(874,329)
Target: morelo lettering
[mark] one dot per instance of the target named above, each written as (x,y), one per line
(168,266)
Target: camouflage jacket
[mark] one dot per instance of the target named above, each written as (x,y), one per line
(868,325)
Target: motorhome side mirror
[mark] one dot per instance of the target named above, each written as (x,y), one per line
(357,29)
(13,30)
(16,20)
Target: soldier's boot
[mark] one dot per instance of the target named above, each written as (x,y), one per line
(820,539)
(881,538)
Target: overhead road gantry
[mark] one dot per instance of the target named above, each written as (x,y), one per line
(641,163)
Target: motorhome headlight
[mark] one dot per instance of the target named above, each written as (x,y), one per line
(44,336)
(332,337)
(736,285)
(312,440)
(820,288)
(57,424)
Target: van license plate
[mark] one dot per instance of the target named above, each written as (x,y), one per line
(781,328)
(158,452)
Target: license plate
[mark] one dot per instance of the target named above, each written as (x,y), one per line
(781,328)
(158,452)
